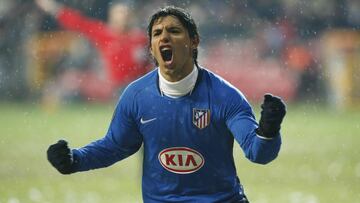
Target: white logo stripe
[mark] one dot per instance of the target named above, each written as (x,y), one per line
(142,121)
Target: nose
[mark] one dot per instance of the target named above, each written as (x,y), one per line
(164,36)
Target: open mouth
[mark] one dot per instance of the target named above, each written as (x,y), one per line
(166,54)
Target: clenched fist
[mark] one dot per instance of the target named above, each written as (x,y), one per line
(272,114)
(60,156)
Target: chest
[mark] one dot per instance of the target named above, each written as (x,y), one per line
(180,122)
(125,50)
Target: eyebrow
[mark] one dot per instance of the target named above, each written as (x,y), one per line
(171,27)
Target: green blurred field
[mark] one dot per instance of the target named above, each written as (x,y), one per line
(319,160)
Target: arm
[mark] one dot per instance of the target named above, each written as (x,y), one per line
(73,20)
(121,141)
(241,122)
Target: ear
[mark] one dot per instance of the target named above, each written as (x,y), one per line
(151,51)
(195,42)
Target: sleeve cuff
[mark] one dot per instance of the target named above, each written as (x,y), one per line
(265,138)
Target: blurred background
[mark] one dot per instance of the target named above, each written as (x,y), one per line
(54,84)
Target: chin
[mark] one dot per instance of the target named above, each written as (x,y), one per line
(167,67)
(170,67)
(171,71)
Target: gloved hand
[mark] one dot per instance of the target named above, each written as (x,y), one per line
(60,157)
(272,114)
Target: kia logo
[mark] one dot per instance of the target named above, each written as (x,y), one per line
(181,160)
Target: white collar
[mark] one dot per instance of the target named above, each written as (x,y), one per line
(178,88)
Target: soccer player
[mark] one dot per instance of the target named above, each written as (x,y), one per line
(122,48)
(187,118)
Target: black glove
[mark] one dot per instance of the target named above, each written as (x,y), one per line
(60,156)
(272,114)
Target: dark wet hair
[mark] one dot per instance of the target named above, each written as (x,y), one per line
(184,17)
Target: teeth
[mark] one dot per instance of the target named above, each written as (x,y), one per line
(165,48)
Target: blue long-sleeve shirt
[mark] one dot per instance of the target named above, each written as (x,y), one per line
(188,141)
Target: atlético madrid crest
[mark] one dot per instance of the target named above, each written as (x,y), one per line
(201,118)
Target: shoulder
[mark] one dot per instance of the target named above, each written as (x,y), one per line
(137,35)
(220,86)
(137,32)
(142,84)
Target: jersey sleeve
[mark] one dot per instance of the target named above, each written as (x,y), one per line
(95,30)
(121,140)
(241,121)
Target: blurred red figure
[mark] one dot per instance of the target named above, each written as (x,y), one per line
(122,49)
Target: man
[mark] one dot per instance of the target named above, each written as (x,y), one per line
(122,48)
(187,119)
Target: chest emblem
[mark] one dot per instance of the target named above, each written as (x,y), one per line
(201,118)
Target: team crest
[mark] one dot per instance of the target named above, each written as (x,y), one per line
(201,118)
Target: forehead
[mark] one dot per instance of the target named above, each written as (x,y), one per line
(167,21)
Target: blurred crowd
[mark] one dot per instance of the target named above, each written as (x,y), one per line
(258,45)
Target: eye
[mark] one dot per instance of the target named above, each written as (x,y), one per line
(175,30)
(156,33)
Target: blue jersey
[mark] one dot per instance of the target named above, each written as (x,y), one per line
(188,141)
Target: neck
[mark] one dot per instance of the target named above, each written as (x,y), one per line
(178,88)
(177,75)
